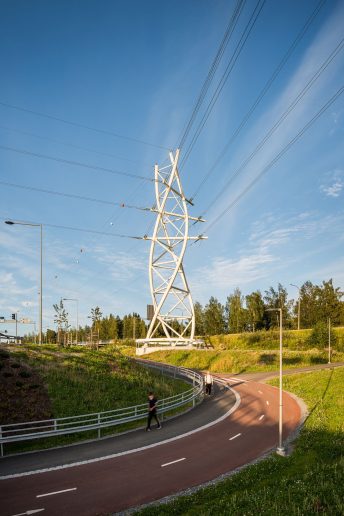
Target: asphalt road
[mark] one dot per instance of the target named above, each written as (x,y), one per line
(247,429)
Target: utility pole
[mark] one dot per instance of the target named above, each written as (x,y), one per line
(299,306)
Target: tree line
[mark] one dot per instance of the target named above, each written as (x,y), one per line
(238,314)
(254,311)
(102,328)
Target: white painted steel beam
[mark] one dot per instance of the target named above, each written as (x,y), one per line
(170,292)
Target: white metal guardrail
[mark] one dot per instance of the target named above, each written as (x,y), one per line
(16,432)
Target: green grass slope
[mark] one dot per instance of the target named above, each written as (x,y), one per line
(241,360)
(292,339)
(40,382)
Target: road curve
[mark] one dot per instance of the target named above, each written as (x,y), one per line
(118,483)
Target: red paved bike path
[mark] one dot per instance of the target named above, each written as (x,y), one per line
(116,484)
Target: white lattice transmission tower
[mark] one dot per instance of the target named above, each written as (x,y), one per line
(173,320)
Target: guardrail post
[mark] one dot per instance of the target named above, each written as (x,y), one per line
(55,425)
(99,427)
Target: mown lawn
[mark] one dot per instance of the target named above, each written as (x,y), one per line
(240,360)
(310,481)
(76,381)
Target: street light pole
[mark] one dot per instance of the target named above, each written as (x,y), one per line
(298,310)
(20,223)
(77,314)
(280,448)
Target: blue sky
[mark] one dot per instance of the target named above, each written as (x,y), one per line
(135,69)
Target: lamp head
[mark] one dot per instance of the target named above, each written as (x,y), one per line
(9,222)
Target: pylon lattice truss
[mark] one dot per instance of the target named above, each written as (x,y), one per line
(174,314)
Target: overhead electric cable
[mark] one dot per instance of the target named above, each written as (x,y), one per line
(76,124)
(79,147)
(72,196)
(227,35)
(284,115)
(84,230)
(261,94)
(278,156)
(237,51)
(74,163)
(86,165)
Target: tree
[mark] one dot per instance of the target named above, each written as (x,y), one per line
(236,312)
(51,336)
(199,319)
(319,302)
(255,309)
(61,319)
(214,321)
(277,299)
(329,302)
(96,316)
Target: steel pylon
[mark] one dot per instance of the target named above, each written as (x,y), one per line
(173,321)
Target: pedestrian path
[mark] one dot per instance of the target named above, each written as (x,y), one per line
(213,408)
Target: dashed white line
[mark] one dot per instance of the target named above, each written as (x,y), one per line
(261,417)
(135,450)
(56,492)
(260,392)
(32,511)
(238,380)
(234,437)
(173,462)
(267,403)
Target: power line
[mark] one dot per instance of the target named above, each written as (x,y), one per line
(287,112)
(74,163)
(79,147)
(262,94)
(72,196)
(278,156)
(237,51)
(76,124)
(84,230)
(91,167)
(227,35)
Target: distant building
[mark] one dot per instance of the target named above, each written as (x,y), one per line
(9,339)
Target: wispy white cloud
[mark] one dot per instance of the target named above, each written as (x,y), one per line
(325,41)
(267,252)
(333,183)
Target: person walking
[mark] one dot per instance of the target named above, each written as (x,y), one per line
(152,411)
(208,380)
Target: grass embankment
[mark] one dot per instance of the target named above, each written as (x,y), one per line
(241,360)
(292,339)
(310,481)
(46,381)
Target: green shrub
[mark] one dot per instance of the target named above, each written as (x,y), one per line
(320,336)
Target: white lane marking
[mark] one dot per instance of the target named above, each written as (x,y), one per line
(239,380)
(267,403)
(234,437)
(261,417)
(173,462)
(134,450)
(32,511)
(260,392)
(56,492)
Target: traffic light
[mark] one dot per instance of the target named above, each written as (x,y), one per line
(14,316)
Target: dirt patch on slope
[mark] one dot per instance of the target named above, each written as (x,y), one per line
(24,396)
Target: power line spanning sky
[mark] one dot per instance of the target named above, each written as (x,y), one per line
(94,93)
